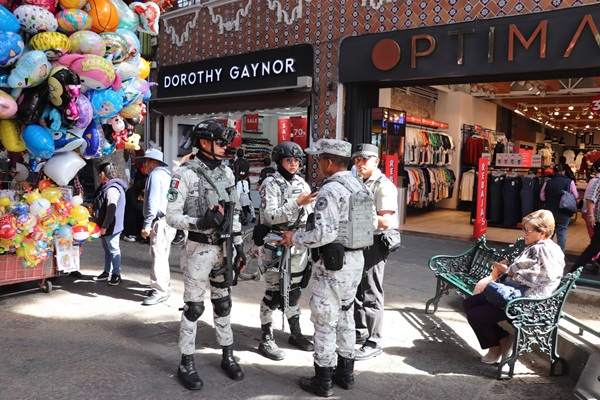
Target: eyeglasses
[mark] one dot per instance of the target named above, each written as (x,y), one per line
(528,232)
(292,160)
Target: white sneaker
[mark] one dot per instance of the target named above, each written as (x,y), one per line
(129,238)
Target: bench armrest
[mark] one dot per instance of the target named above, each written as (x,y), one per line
(541,311)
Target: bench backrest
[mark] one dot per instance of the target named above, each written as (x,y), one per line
(484,257)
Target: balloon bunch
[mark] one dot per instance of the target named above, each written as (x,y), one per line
(29,225)
(72,81)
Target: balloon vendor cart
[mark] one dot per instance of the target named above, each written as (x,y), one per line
(37,224)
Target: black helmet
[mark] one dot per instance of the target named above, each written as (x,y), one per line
(211,129)
(286,149)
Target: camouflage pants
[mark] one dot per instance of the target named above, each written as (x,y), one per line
(331,306)
(299,259)
(197,260)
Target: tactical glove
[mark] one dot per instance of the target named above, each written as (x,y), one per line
(212,219)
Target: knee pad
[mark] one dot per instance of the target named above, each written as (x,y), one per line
(273,302)
(222,306)
(294,296)
(193,310)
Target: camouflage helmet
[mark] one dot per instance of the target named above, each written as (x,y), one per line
(286,149)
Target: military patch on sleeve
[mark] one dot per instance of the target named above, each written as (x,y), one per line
(174,183)
(172,195)
(321,204)
(384,190)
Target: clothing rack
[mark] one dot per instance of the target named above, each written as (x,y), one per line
(427,129)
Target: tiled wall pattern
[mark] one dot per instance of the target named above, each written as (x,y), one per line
(323,23)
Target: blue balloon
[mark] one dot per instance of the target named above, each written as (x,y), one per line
(38,141)
(11,48)
(106,103)
(65,232)
(8,21)
(93,136)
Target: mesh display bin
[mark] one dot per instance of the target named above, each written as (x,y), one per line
(12,271)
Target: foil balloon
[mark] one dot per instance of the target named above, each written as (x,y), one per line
(63,167)
(133,110)
(86,113)
(93,140)
(127,70)
(11,48)
(63,89)
(144,68)
(8,21)
(72,20)
(53,44)
(51,119)
(149,14)
(105,17)
(49,5)
(32,103)
(127,18)
(3,79)
(134,44)
(35,19)
(38,141)
(8,105)
(10,135)
(66,141)
(106,103)
(108,148)
(72,3)
(94,71)
(31,69)
(116,46)
(87,42)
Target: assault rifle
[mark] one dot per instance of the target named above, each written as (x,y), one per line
(227,269)
(285,268)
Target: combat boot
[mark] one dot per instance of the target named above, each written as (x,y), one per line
(229,365)
(343,374)
(267,346)
(297,338)
(320,384)
(187,375)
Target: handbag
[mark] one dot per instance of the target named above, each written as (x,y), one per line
(391,240)
(568,204)
(498,292)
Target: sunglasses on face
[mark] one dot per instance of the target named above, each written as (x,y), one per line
(222,142)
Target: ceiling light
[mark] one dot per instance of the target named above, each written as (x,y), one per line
(535,108)
(557,108)
(577,116)
(571,107)
(525,109)
(587,127)
(556,113)
(519,112)
(591,116)
(564,117)
(568,114)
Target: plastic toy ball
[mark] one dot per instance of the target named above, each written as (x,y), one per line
(94,230)
(80,234)
(76,200)
(65,232)
(44,184)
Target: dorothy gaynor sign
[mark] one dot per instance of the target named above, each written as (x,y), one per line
(253,71)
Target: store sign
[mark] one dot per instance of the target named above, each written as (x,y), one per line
(260,70)
(390,168)
(480,223)
(251,122)
(283,130)
(557,40)
(595,106)
(299,127)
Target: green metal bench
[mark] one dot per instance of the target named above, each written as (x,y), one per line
(536,323)
(462,272)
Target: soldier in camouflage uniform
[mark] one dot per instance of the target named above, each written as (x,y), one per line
(285,205)
(195,191)
(338,270)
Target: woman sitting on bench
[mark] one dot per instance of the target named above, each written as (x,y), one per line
(539,267)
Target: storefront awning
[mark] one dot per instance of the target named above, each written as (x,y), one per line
(232,104)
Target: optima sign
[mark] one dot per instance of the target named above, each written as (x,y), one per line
(260,70)
(562,40)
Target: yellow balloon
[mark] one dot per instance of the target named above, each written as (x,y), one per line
(4,201)
(52,194)
(144,67)
(80,214)
(32,196)
(10,135)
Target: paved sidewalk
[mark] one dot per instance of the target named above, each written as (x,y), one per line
(88,340)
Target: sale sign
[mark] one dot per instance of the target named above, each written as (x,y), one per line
(299,129)
(595,106)
(390,168)
(251,122)
(480,223)
(283,130)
